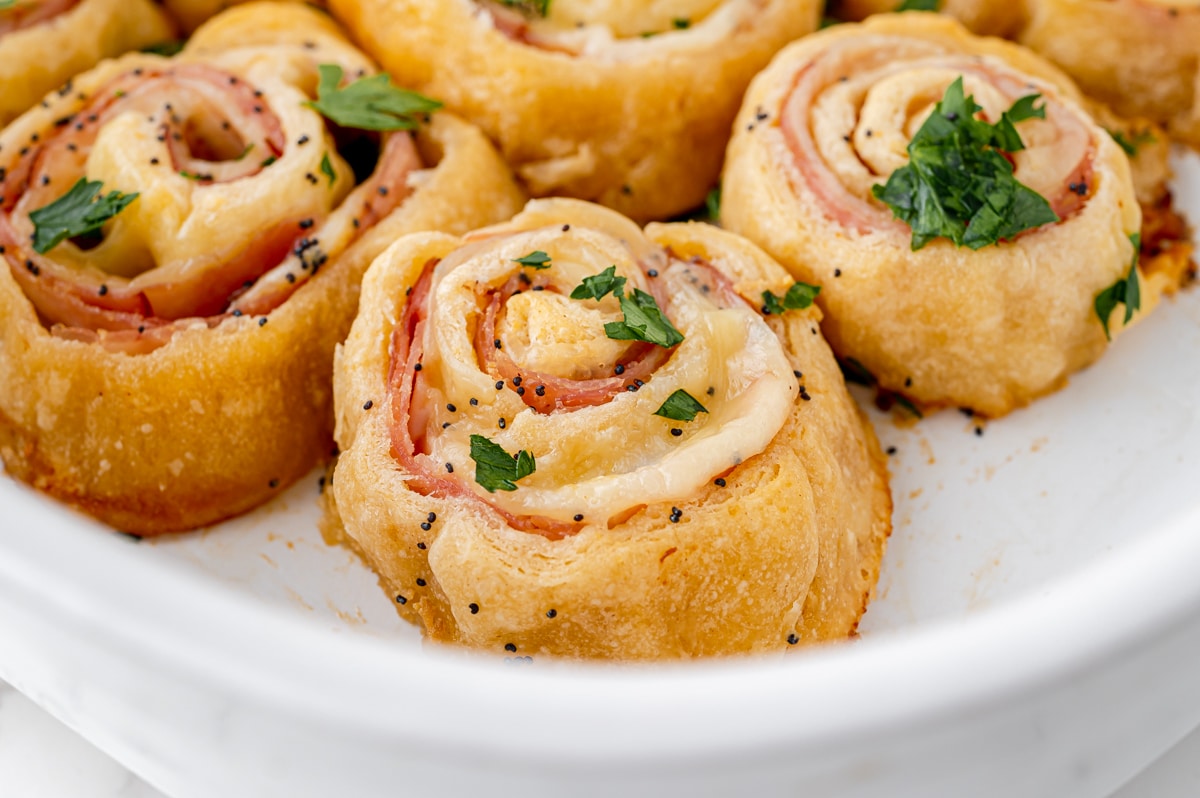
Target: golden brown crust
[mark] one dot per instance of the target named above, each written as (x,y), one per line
(42,57)
(217,420)
(1139,56)
(990,329)
(637,124)
(787,551)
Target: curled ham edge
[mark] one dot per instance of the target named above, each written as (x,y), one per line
(75,310)
(407,351)
(865,216)
(27,13)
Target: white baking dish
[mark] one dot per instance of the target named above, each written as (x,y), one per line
(1037,632)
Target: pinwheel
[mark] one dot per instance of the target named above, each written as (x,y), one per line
(564,435)
(183,240)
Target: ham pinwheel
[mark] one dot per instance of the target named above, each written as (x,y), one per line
(1142,57)
(975,232)
(626,103)
(564,435)
(988,17)
(183,240)
(43,43)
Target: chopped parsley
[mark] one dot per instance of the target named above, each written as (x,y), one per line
(1127,291)
(681,23)
(681,406)
(798,297)
(958,184)
(368,103)
(919,5)
(539,7)
(268,161)
(327,168)
(496,469)
(599,285)
(643,321)
(1132,145)
(78,212)
(534,260)
(713,204)
(168,48)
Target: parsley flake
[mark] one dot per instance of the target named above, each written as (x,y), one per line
(798,297)
(681,406)
(958,184)
(78,212)
(1127,291)
(368,103)
(918,5)
(1132,145)
(167,48)
(599,285)
(496,469)
(713,204)
(643,321)
(539,7)
(327,168)
(534,260)
(681,23)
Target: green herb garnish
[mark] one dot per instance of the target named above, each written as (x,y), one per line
(1126,291)
(798,297)
(957,184)
(534,260)
(168,48)
(78,212)
(599,285)
(681,406)
(713,203)
(681,23)
(1131,146)
(327,168)
(919,5)
(643,321)
(368,103)
(539,7)
(496,469)
(268,161)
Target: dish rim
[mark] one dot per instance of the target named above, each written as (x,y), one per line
(200,631)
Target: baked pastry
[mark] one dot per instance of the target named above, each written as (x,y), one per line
(183,240)
(988,302)
(43,43)
(192,13)
(1142,57)
(987,17)
(623,103)
(662,472)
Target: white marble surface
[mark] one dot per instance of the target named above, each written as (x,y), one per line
(41,758)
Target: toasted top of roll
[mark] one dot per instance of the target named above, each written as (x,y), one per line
(505,453)
(988,328)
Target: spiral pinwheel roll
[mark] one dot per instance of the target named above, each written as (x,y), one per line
(43,43)
(626,103)
(1000,302)
(182,241)
(987,17)
(662,471)
(1140,56)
